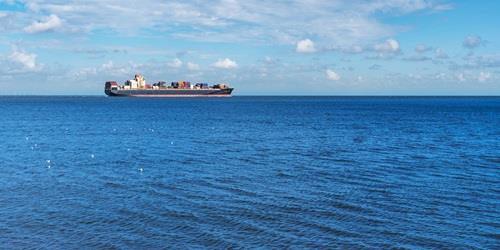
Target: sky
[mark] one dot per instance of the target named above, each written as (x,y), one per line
(281,47)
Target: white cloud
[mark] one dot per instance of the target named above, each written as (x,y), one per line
(193,66)
(27,60)
(343,25)
(483,76)
(389,46)
(51,23)
(107,66)
(415,76)
(176,63)
(405,6)
(461,77)
(332,75)
(354,49)
(440,54)
(472,41)
(305,46)
(422,48)
(440,76)
(339,23)
(442,7)
(225,64)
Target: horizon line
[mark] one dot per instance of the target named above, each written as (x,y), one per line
(258,95)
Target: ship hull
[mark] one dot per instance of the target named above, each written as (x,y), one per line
(169,92)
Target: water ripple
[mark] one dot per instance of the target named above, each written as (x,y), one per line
(248,172)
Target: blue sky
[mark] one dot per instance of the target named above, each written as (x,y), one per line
(301,47)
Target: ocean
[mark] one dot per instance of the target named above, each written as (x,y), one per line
(250,172)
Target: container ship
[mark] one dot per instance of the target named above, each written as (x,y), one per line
(138,87)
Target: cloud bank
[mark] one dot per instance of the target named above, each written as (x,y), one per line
(268,42)
(337,23)
(225,64)
(51,23)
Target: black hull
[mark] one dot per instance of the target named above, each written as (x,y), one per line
(169,92)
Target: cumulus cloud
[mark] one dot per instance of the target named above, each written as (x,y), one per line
(192,66)
(483,76)
(440,54)
(176,63)
(225,64)
(421,54)
(27,60)
(305,46)
(389,46)
(49,24)
(472,41)
(332,75)
(422,48)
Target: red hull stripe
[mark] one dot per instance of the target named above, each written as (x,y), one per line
(180,95)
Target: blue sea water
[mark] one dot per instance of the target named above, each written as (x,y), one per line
(247,172)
